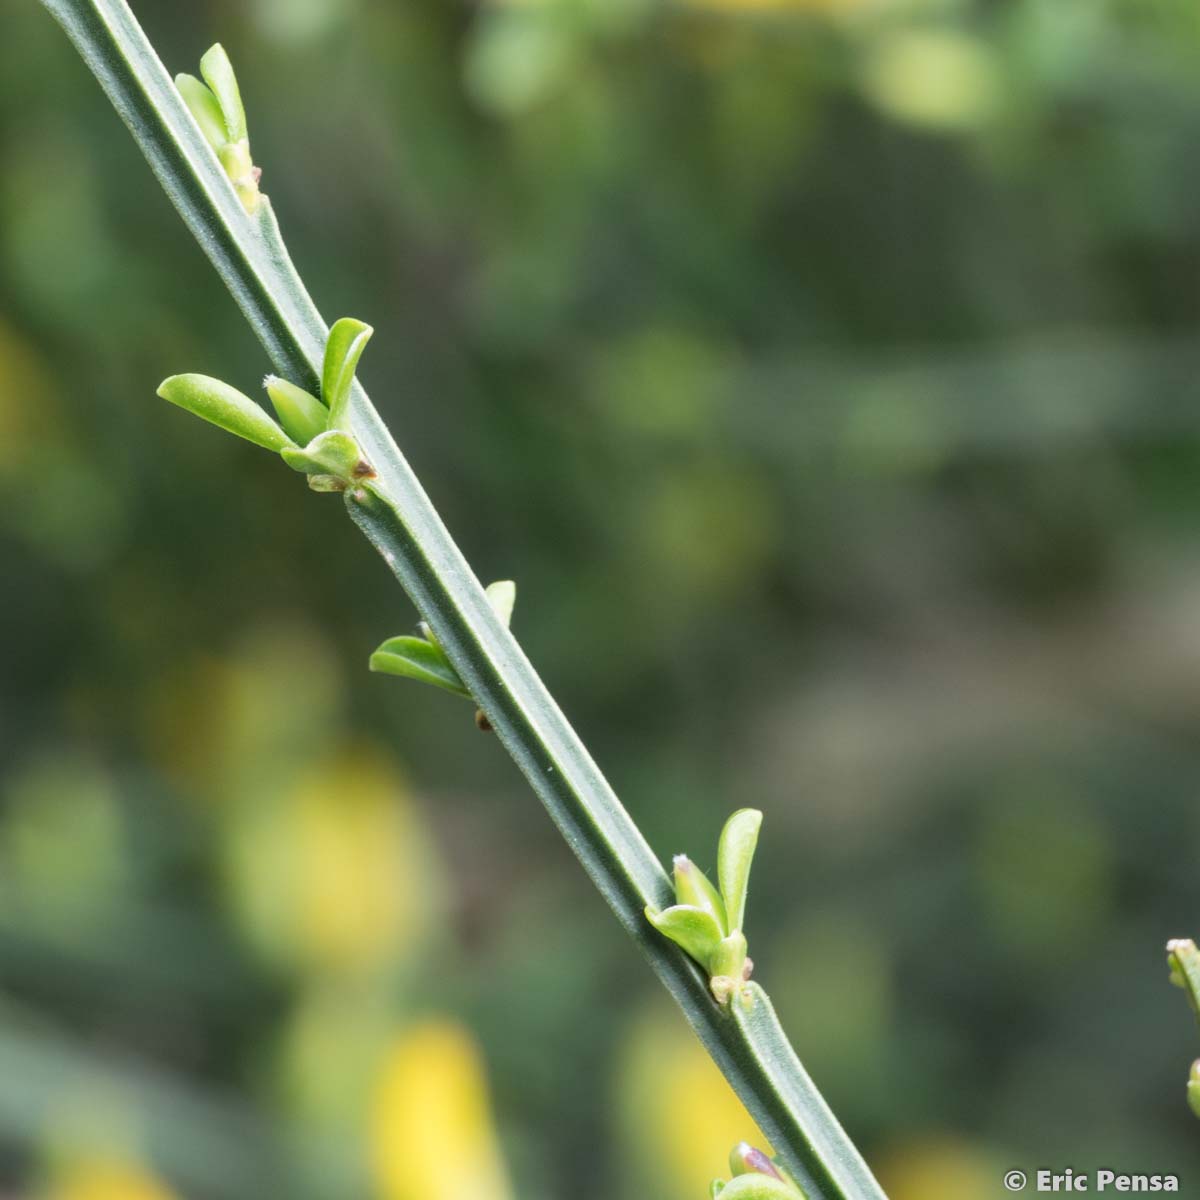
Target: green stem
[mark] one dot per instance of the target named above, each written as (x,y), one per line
(398,518)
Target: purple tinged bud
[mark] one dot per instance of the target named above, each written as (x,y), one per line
(745,1159)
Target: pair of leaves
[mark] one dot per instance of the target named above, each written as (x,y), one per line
(300,412)
(216,107)
(312,434)
(707,922)
(216,103)
(423,659)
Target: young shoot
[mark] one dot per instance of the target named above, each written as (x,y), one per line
(216,106)
(312,435)
(707,922)
(423,659)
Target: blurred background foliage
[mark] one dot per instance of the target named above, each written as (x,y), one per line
(826,374)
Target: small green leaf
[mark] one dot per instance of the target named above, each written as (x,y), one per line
(225,407)
(692,928)
(1184,961)
(347,340)
(415,658)
(1193,1088)
(716,1188)
(299,412)
(330,453)
(502,595)
(203,106)
(218,74)
(693,887)
(759,1187)
(735,854)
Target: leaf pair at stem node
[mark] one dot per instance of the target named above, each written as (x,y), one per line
(707,922)
(313,435)
(422,658)
(215,103)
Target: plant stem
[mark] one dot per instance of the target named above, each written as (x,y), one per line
(398,518)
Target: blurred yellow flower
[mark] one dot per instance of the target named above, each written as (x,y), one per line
(939,1168)
(936,78)
(679,1118)
(335,874)
(819,6)
(432,1134)
(101,1179)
